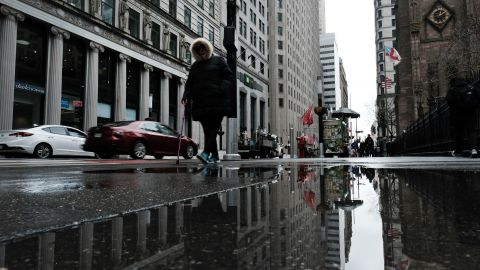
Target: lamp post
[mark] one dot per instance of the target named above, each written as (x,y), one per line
(229,44)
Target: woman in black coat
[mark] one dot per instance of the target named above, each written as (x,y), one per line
(207,91)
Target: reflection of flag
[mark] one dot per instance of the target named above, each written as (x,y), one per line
(308,116)
(386,83)
(393,55)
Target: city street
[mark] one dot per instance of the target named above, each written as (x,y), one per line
(352,213)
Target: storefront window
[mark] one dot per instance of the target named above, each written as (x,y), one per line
(108,8)
(155,95)
(133,90)
(30,74)
(173,106)
(106,86)
(73,83)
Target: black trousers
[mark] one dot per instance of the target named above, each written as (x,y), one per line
(210,130)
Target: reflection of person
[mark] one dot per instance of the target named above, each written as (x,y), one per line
(207,91)
(461,117)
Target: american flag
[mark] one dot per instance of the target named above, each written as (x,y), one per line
(387,83)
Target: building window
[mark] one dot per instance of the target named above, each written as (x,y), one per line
(200,3)
(280,102)
(240,22)
(76,3)
(394,33)
(379,23)
(280,88)
(245,29)
(380,34)
(394,22)
(244,7)
(280,59)
(200,26)
(156,3)
(156,35)
(280,31)
(379,13)
(188,56)
(280,45)
(279,17)
(211,35)
(253,61)
(280,3)
(380,56)
(187,17)
(108,7)
(280,73)
(172,8)
(243,53)
(211,8)
(173,44)
(134,23)
(380,45)
(381,67)
(262,68)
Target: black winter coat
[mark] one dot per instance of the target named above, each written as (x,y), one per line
(208,88)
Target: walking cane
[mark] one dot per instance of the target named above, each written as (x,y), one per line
(180,136)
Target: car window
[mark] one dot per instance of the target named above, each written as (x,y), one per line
(58,130)
(167,131)
(46,129)
(76,133)
(150,126)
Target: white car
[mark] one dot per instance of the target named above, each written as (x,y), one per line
(44,141)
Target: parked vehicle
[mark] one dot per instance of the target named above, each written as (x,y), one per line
(44,141)
(138,139)
(262,145)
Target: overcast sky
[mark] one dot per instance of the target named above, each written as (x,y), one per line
(353,23)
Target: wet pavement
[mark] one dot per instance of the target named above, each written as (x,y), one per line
(245,215)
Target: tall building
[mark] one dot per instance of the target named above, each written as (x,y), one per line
(343,85)
(322,19)
(83,63)
(252,64)
(385,28)
(436,43)
(294,64)
(329,57)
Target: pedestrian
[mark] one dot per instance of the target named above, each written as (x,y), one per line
(354,147)
(463,102)
(207,92)
(369,146)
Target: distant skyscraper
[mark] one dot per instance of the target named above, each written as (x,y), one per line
(332,90)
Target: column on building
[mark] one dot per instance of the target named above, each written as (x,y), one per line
(181,108)
(145,92)
(8,47)
(91,91)
(121,88)
(53,111)
(165,97)
(257,112)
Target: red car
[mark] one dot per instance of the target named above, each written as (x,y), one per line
(137,139)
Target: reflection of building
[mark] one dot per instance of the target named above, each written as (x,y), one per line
(295,225)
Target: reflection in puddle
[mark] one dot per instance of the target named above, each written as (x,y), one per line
(306,217)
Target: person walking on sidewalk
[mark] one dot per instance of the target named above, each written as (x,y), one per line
(207,92)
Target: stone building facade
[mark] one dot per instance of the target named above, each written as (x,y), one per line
(437,39)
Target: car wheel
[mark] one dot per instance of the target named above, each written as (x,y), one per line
(189,152)
(158,156)
(43,150)
(103,155)
(139,150)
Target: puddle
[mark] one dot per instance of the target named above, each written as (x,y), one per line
(300,217)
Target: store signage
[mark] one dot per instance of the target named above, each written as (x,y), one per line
(65,103)
(77,103)
(248,81)
(29,87)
